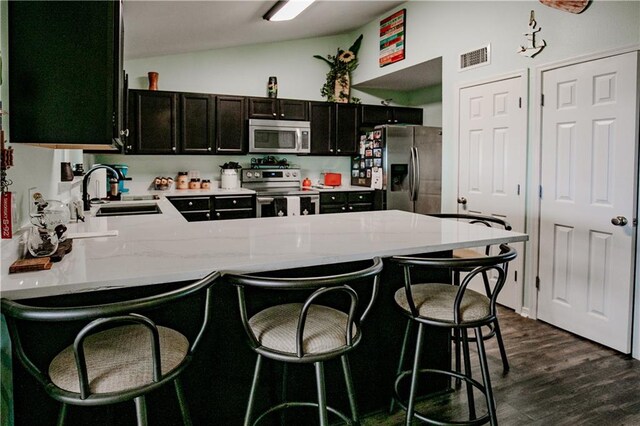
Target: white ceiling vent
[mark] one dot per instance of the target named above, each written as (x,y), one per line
(475,58)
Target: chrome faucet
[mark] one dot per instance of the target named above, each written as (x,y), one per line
(85,180)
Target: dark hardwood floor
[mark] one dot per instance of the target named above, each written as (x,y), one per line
(556,378)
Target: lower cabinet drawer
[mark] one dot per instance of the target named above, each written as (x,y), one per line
(233,214)
(333,208)
(360,207)
(333,197)
(233,202)
(197,216)
(360,197)
(184,204)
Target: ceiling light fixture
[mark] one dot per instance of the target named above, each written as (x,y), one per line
(285,10)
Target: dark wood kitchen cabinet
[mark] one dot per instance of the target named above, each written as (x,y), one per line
(334,128)
(65,73)
(234,207)
(163,122)
(197,123)
(278,109)
(373,115)
(231,132)
(153,122)
(344,202)
(194,209)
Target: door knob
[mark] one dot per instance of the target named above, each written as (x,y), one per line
(619,221)
(462,200)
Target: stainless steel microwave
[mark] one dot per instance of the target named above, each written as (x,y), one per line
(279,136)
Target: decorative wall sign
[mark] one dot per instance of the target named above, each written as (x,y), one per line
(571,6)
(392,38)
(533,46)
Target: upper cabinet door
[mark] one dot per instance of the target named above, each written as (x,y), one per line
(197,123)
(322,120)
(65,72)
(230,124)
(291,109)
(265,108)
(373,115)
(154,122)
(347,129)
(403,115)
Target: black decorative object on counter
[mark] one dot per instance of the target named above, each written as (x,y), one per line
(270,161)
(66,173)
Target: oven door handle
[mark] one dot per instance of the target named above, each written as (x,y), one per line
(264,200)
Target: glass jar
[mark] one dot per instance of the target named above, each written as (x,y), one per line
(206,184)
(42,242)
(182,182)
(194,183)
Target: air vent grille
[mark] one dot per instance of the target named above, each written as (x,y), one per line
(475,58)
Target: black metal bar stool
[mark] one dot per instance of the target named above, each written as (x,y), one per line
(456,308)
(119,355)
(494,328)
(307,333)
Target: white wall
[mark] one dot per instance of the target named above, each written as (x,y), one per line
(448,28)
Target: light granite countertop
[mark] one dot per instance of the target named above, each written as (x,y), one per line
(151,249)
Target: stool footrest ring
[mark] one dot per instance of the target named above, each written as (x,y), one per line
(422,417)
(285,405)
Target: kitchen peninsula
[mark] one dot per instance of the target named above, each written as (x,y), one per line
(165,248)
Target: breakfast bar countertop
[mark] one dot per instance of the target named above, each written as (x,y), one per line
(163,248)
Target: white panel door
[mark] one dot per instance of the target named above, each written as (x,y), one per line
(492,163)
(588,175)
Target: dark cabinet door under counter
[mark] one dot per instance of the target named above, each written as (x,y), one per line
(234,207)
(194,209)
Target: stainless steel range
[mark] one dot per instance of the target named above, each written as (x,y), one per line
(278,192)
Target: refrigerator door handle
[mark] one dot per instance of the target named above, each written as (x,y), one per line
(416,173)
(411,174)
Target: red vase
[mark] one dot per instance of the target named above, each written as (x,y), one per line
(153,80)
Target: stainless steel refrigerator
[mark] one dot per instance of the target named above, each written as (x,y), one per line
(410,159)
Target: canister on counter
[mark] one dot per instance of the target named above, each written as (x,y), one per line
(182,182)
(206,184)
(194,183)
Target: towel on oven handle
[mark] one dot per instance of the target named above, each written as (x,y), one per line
(293,205)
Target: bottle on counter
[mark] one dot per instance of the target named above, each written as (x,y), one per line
(194,183)
(206,184)
(182,182)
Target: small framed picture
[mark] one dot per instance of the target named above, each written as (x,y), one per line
(376,144)
(362,164)
(377,162)
(368,163)
(355,173)
(368,153)
(377,153)
(368,173)
(362,173)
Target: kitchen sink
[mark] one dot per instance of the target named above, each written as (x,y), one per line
(128,210)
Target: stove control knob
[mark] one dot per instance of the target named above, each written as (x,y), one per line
(287,174)
(294,174)
(249,174)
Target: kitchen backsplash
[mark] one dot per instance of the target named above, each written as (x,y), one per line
(144,168)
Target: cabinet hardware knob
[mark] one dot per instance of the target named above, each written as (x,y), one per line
(333,198)
(360,196)
(234,201)
(619,221)
(190,203)
(124,132)
(218,214)
(350,207)
(343,208)
(209,148)
(282,115)
(173,148)
(330,149)
(462,200)
(208,215)
(338,150)
(275,115)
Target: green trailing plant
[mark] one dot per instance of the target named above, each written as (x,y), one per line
(340,66)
